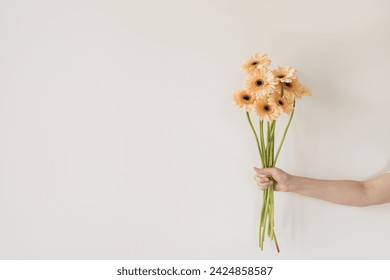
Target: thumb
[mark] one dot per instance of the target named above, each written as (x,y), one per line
(265,171)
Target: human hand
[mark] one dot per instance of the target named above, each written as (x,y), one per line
(264,178)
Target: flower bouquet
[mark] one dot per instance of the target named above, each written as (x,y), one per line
(268,94)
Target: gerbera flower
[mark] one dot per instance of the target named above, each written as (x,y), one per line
(294,89)
(256,61)
(284,104)
(243,99)
(284,74)
(266,109)
(261,83)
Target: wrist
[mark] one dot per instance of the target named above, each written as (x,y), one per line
(291,183)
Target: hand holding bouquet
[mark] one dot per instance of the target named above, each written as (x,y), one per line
(268,94)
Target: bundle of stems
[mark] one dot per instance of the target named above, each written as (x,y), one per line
(266,147)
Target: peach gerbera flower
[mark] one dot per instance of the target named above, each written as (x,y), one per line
(285,74)
(266,109)
(243,99)
(284,104)
(261,83)
(294,89)
(256,61)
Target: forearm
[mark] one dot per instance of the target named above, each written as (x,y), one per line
(347,192)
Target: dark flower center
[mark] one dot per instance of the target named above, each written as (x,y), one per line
(288,85)
(259,83)
(281,103)
(246,97)
(254,63)
(266,108)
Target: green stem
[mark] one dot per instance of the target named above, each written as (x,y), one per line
(273,125)
(276,243)
(264,217)
(270,228)
(254,133)
(265,205)
(268,144)
(285,133)
(261,128)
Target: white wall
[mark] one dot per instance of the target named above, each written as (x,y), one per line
(118,138)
